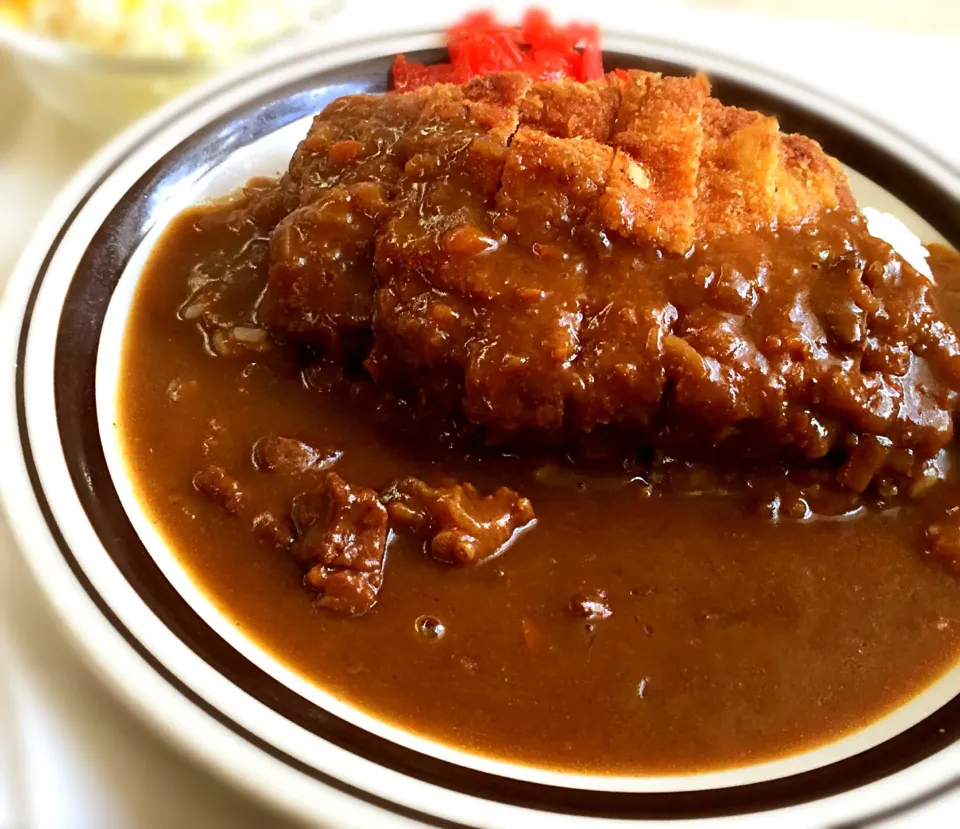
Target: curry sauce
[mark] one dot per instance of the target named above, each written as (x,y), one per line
(731,637)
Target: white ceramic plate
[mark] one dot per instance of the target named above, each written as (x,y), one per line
(169,650)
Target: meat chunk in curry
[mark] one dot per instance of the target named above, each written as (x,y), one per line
(291,456)
(222,488)
(458,525)
(342,540)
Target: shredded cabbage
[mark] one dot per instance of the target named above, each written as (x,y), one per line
(164,28)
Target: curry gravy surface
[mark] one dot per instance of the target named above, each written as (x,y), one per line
(733,639)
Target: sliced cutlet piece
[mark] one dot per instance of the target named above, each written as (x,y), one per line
(620,365)
(713,361)
(465,130)
(353,139)
(321,280)
(551,186)
(566,109)
(659,135)
(737,180)
(808,181)
(455,154)
(529,289)
(423,320)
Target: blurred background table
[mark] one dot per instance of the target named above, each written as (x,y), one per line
(71,756)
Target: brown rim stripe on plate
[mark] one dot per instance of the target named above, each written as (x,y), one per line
(77,338)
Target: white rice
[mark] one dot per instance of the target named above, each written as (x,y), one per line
(896,234)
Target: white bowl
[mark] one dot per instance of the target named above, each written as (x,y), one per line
(104,92)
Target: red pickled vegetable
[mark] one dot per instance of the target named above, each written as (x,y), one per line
(555,66)
(537,30)
(591,67)
(409,75)
(479,45)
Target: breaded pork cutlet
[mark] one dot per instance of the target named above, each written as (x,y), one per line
(547,259)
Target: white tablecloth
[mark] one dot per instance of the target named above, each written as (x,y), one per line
(71,757)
